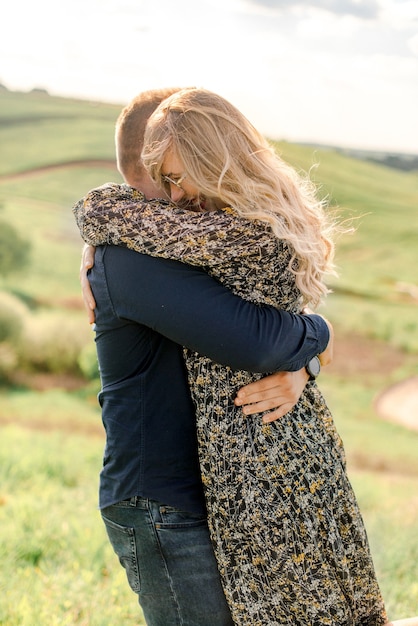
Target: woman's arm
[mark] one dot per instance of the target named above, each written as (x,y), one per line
(119,215)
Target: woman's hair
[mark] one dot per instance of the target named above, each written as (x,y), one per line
(225,157)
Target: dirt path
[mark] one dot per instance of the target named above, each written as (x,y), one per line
(400,403)
(355,355)
(105,163)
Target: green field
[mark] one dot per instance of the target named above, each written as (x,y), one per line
(57,566)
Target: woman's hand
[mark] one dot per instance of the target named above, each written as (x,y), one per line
(279,391)
(87,262)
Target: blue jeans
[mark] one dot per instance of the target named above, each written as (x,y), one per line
(169,563)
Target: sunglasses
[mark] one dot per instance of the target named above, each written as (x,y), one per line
(176,183)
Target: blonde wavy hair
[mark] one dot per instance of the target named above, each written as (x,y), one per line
(225,157)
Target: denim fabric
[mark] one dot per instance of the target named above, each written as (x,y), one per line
(169,563)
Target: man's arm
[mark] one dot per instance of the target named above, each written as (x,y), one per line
(189,307)
(249,391)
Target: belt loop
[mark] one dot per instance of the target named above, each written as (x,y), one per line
(133,501)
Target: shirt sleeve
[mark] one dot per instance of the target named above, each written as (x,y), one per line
(193,309)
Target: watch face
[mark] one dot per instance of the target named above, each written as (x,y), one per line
(314,367)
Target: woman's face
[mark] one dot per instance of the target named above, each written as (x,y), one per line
(182,191)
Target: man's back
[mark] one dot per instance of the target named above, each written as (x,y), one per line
(147,411)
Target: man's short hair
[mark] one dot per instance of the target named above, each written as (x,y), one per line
(130,128)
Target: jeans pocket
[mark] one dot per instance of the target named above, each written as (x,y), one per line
(171,517)
(123,541)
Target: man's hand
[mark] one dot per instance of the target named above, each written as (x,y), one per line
(87,262)
(279,391)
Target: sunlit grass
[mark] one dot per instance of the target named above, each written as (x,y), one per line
(57,563)
(387,319)
(58,566)
(52,409)
(382,204)
(40,209)
(389,504)
(40,130)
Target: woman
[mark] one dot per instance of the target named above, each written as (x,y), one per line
(287,532)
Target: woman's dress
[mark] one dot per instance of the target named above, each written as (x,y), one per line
(286,529)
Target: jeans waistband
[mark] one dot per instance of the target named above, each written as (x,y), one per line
(137,501)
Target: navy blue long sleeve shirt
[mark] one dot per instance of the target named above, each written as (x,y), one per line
(147,309)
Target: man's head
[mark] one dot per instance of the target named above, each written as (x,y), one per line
(129,138)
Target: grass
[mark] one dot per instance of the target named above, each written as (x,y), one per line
(392,321)
(58,567)
(383,206)
(53,130)
(40,209)
(57,563)
(389,504)
(371,444)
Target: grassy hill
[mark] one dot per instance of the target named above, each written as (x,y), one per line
(52,151)
(55,149)
(376,263)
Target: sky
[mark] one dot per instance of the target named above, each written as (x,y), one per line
(336,72)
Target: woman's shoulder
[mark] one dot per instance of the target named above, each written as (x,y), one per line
(117,191)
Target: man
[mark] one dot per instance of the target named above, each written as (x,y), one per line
(151,495)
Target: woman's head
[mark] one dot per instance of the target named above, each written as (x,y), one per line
(216,144)
(222,160)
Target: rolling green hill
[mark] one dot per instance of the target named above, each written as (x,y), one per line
(54,149)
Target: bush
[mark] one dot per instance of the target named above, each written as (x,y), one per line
(12,317)
(52,342)
(8,361)
(48,341)
(14,250)
(87,362)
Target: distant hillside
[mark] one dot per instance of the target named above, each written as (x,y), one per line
(46,106)
(38,130)
(396,160)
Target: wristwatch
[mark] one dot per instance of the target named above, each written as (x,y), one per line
(313,368)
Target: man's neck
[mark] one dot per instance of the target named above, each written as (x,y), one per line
(145,185)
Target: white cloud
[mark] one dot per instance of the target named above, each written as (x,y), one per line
(363,9)
(412,44)
(300,70)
